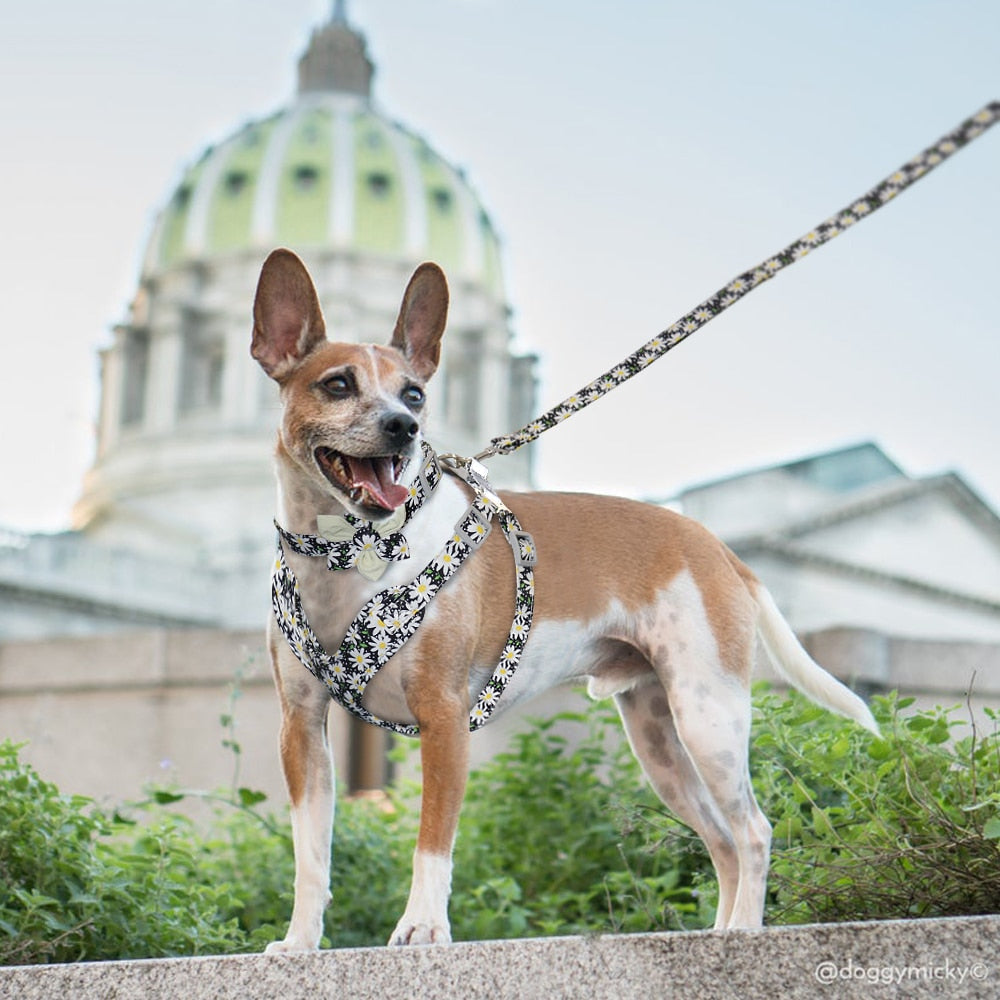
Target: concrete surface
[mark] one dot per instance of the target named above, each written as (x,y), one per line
(905,959)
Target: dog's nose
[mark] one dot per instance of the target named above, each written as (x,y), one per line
(400,429)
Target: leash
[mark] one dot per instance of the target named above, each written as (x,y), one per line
(884,192)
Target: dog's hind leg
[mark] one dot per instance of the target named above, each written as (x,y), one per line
(653,737)
(702,705)
(308,767)
(713,726)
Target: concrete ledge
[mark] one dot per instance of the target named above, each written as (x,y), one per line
(906,959)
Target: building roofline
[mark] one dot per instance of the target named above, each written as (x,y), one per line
(787,550)
(879,497)
(790,464)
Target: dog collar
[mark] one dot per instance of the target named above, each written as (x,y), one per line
(348,541)
(393,616)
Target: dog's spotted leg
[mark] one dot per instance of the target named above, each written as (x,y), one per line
(649,725)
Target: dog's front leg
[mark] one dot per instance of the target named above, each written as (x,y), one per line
(444,758)
(307,762)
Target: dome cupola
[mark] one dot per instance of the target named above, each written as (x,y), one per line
(337,59)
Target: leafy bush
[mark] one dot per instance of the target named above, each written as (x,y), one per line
(867,829)
(67,893)
(553,840)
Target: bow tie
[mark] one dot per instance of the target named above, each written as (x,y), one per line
(366,546)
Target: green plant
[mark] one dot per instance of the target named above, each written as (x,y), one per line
(558,835)
(903,826)
(553,840)
(67,892)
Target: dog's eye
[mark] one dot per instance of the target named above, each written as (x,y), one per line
(413,395)
(338,386)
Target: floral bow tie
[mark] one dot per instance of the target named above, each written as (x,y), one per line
(366,546)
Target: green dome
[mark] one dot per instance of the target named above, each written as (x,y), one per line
(328,172)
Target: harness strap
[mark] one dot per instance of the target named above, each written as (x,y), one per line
(393,616)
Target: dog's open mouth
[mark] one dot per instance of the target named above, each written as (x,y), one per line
(371,482)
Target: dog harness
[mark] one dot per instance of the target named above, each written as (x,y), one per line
(394,615)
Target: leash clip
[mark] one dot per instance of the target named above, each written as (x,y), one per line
(472,471)
(451,461)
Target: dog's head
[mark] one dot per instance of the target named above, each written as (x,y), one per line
(351,419)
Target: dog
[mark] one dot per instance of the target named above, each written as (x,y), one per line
(644,604)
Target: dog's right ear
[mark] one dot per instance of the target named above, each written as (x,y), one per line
(287,319)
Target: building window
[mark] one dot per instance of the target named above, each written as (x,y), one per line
(305,177)
(235,182)
(379,184)
(202,366)
(442,199)
(135,365)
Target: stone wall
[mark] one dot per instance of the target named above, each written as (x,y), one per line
(908,960)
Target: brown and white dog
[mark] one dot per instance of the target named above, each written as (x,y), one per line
(645,604)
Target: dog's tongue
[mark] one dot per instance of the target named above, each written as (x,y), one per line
(376,476)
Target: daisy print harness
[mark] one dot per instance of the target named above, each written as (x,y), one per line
(394,615)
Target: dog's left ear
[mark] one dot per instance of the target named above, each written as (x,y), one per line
(422,318)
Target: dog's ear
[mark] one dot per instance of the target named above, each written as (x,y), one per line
(422,318)
(287,319)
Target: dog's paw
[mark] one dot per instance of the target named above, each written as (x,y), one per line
(289,946)
(412,932)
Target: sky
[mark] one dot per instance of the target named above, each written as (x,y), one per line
(634,157)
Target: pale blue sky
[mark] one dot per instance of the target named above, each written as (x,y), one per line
(634,157)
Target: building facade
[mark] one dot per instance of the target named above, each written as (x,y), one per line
(847,538)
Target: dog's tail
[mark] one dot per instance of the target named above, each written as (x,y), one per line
(797,667)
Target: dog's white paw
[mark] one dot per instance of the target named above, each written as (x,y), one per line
(288,946)
(418,932)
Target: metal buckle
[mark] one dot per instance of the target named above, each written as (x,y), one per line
(523,546)
(479,517)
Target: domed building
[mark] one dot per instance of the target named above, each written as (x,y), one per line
(187,419)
